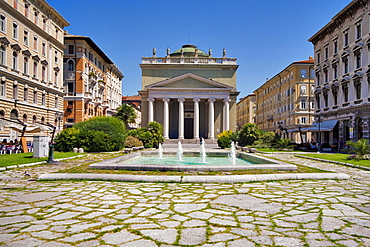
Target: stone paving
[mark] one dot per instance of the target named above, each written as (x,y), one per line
(103,213)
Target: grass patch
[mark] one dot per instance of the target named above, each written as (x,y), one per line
(26,158)
(338,158)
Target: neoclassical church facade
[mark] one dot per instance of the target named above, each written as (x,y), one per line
(191,93)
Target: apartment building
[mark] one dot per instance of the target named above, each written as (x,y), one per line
(31,64)
(342,75)
(285,103)
(135,102)
(245,110)
(92,82)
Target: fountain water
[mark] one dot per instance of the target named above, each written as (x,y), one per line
(160,151)
(203,151)
(179,152)
(232,155)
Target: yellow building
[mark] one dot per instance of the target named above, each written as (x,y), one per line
(92,82)
(285,103)
(31,63)
(245,111)
(190,92)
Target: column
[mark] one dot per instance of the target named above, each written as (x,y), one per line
(226,114)
(211,119)
(181,118)
(166,119)
(151,110)
(196,118)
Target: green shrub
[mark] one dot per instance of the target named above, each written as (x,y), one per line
(151,135)
(99,134)
(282,144)
(133,142)
(224,139)
(248,135)
(360,148)
(67,140)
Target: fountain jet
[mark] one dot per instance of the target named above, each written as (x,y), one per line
(203,151)
(232,155)
(179,152)
(160,151)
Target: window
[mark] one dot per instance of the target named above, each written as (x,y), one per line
(15,30)
(358,59)
(326,52)
(345,39)
(56,78)
(43,48)
(25,38)
(71,49)
(71,65)
(303,120)
(318,57)
(43,99)
(326,98)
(25,65)
(34,69)
(358,89)
(70,89)
(303,104)
(335,46)
(15,91)
(358,31)
(25,94)
(35,97)
(303,73)
(2,55)
(43,72)
(2,88)
(346,65)
(25,118)
(56,56)
(318,103)
(15,4)
(335,95)
(303,90)
(56,102)
(326,75)
(26,10)
(36,18)
(44,24)
(335,71)
(312,103)
(56,33)
(345,92)
(15,60)
(2,23)
(35,43)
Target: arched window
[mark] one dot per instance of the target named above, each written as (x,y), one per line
(42,120)
(2,114)
(25,65)
(15,30)
(34,119)
(15,60)
(71,65)
(14,114)
(43,72)
(35,69)
(2,55)
(2,22)
(25,118)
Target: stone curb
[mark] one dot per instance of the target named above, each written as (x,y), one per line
(36,163)
(193,179)
(335,162)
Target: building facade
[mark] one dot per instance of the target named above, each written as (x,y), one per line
(31,63)
(190,92)
(285,103)
(342,74)
(246,111)
(135,102)
(92,82)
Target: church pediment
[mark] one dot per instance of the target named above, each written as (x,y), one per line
(188,80)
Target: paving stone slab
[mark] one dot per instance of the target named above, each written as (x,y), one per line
(119,237)
(166,236)
(193,236)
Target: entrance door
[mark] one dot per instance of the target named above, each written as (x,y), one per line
(189,128)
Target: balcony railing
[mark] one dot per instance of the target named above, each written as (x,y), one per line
(188,60)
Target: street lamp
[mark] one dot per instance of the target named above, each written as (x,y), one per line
(58,117)
(319,120)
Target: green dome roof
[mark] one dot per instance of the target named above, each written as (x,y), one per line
(189,51)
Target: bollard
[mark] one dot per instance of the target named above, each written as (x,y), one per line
(51,153)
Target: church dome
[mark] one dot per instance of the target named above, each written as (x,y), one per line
(188,51)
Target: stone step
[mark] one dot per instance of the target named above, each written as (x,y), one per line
(189,141)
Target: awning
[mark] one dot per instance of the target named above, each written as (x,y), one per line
(324,126)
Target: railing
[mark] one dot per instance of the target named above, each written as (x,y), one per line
(188,60)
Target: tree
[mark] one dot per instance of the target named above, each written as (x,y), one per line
(126,113)
(248,134)
(151,136)
(360,148)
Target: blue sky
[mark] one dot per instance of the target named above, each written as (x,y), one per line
(264,35)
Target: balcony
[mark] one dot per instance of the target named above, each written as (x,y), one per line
(97,101)
(101,83)
(88,97)
(188,60)
(105,104)
(93,79)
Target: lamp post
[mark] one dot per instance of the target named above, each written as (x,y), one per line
(319,120)
(58,117)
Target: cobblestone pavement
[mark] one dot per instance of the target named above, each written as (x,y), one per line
(95,213)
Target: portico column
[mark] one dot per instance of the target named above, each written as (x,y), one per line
(181,118)
(166,119)
(196,118)
(226,114)
(151,110)
(211,119)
